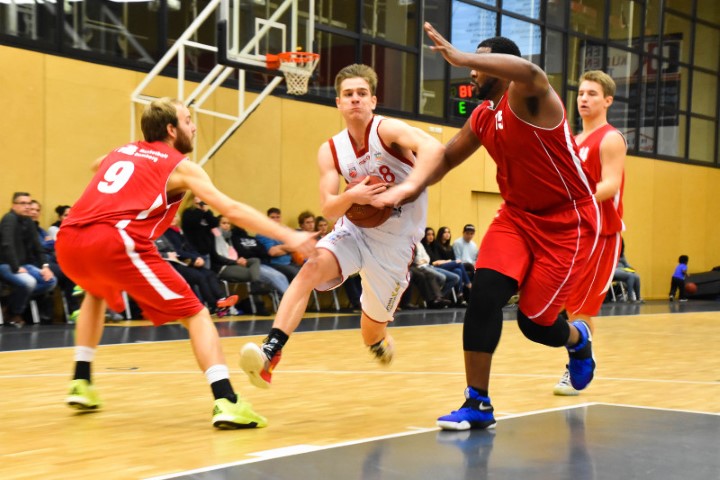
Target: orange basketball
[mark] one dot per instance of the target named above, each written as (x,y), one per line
(691,288)
(367,216)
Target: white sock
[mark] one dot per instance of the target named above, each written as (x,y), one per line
(217,372)
(84,354)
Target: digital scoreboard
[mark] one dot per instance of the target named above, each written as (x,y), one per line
(462,100)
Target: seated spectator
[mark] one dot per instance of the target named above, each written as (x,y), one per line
(443,258)
(465,249)
(175,248)
(23,262)
(248,246)
(446,279)
(62,211)
(321,226)
(428,284)
(306,223)
(626,273)
(280,258)
(197,224)
(225,260)
(66,285)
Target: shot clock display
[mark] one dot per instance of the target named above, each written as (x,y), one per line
(462,100)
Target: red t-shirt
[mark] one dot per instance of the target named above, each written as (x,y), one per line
(611,210)
(538,169)
(129,191)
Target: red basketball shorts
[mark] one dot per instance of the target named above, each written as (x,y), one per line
(543,253)
(594,280)
(106,261)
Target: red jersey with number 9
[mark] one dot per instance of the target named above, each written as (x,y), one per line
(129,191)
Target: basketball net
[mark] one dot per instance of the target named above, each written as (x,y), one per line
(297,68)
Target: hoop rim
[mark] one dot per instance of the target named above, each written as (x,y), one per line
(297,57)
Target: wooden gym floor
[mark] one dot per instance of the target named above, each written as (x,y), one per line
(653,410)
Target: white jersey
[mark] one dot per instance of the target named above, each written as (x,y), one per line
(380,160)
(382,254)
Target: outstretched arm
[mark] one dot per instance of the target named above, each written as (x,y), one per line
(433,160)
(190,176)
(529,92)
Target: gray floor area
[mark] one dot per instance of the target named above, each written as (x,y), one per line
(588,442)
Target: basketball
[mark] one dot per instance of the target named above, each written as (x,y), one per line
(691,288)
(367,216)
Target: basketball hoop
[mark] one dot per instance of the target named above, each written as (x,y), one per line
(297,68)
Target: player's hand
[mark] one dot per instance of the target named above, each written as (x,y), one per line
(396,196)
(301,242)
(448,51)
(364,194)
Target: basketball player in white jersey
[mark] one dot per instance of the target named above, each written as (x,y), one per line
(370,146)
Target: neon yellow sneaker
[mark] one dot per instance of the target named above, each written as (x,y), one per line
(83,396)
(231,416)
(78,291)
(74,316)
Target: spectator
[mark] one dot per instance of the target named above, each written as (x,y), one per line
(67,286)
(466,250)
(174,247)
(321,226)
(428,284)
(280,258)
(23,263)
(306,223)
(249,247)
(626,273)
(677,282)
(446,279)
(62,212)
(197,224)
(443,258)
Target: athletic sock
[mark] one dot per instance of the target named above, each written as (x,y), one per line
(218,377)
(274,342)
(82,371)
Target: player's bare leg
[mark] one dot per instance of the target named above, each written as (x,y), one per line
(230,411)
(259,362)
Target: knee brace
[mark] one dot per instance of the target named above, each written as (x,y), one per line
(483,318)
(555,335)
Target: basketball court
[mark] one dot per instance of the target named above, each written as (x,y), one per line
(653,410)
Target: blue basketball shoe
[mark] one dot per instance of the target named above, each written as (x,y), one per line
(476,412)
(582,364)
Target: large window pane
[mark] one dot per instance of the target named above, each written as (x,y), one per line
(30,21)
(624,68)
(671,138)
(398,76)
(625,21)
(125,31)
(709,11)
(528,8)
(555,60)
(684,6)
(704,94)
(336,52)
(621,115)
(676,37)
(582,55)
(707,41)
(644,134)
(394,21)
(652,17)
(471,25)
(336,13)
(702,140)
(555,12)
(526,35)
(587,17)
(433,92)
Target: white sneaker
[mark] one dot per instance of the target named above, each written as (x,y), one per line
(564,388)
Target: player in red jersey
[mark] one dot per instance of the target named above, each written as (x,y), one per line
(602,149)
(106,245)
(543,233)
